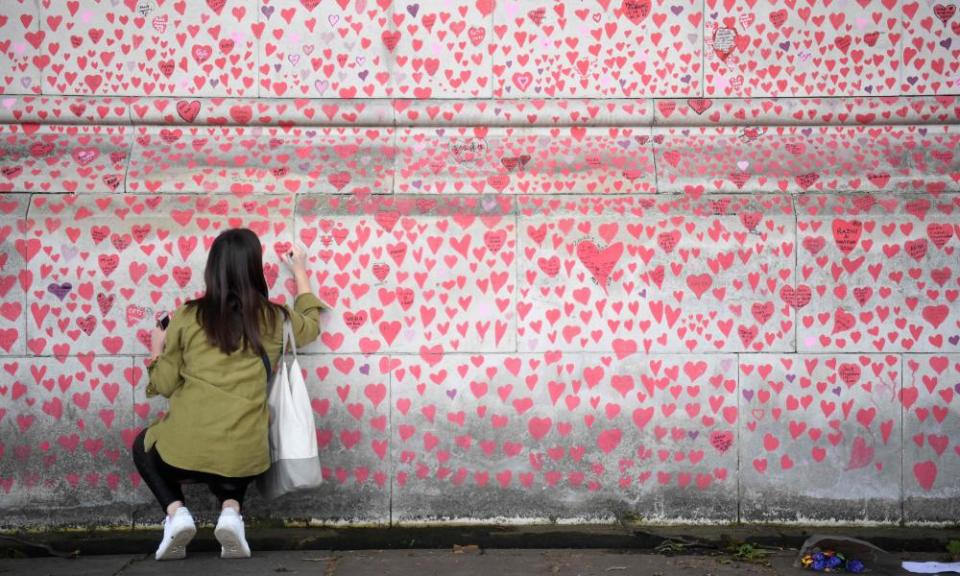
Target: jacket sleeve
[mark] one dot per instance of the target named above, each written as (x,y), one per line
(164,372)
(305,318)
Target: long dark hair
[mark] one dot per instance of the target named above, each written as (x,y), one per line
(236,297)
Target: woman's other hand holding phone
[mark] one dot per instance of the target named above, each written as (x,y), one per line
(158,337)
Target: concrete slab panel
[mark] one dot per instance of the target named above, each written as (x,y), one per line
(314,49)
(931,438)
(655,275)
(20,42)
(52,158)
(564,436)
(443,49)
(930,50)
(407,273)
(820,438)
(800,159)
(107,265)
(63,457)
(490,160)
(598,50)
(14,277)
(880,272)
(256,160)
(786,49)
(151,48)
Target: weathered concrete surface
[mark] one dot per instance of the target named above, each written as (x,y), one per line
(65,442)
(812,428)
(488,437)
(931,425)
(14,251)
(881,271)
(632,274)
(411,273)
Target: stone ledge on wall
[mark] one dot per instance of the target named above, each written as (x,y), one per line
(94,158)
(518,112)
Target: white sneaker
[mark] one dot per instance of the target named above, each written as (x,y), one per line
(230,534)
(177,533)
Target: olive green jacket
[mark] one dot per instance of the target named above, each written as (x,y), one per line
(217,421)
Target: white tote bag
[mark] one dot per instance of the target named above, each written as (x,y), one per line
(295,461)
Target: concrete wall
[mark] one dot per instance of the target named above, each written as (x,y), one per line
(661,261)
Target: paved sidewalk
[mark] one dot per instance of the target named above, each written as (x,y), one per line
(393,563)
(446,562)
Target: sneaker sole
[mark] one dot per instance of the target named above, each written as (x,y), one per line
(177,550)
(231,546)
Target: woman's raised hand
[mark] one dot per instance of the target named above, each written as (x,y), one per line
(295,259)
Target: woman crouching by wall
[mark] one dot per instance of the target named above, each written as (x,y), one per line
(212,363)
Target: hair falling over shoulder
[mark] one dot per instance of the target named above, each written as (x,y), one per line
(236,297)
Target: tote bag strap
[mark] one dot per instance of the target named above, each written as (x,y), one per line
(287,329)
(266,364)
(288,338)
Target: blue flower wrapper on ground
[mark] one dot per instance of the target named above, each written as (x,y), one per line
(830,561)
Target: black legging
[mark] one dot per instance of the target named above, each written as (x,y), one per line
(164,480)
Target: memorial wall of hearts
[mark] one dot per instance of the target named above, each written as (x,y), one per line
(658,261)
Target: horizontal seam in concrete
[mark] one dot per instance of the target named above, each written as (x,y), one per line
(471,122)
(843,111)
